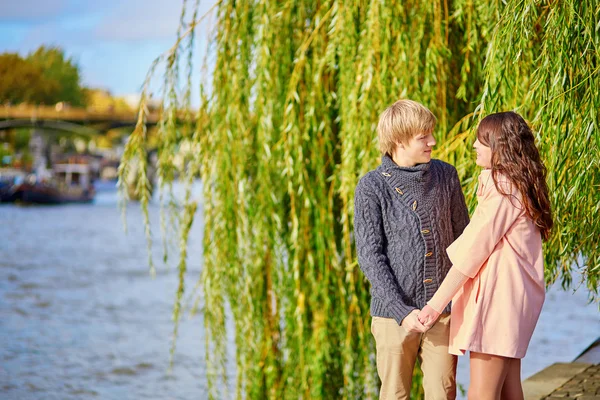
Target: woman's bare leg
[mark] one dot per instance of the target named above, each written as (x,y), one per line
(488,373)
(512,389)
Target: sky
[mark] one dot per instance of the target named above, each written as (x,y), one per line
(113,41)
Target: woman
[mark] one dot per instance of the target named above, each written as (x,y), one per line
(497,277)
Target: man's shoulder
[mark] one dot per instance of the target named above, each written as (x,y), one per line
(370,181)
(446,168)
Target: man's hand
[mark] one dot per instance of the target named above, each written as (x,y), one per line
(411,323)
(428,316)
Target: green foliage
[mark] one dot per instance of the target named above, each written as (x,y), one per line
(289,127)
(46,76)
(15,142)
(21,139)
(23,82)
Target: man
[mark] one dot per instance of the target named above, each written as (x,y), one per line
(407,212)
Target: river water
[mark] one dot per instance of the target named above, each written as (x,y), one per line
(81,318)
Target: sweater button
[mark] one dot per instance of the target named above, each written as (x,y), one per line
(429,254)
(425,231)
(428,281)
(414,205)
(399,191)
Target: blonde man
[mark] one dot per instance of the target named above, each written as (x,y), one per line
(407,212)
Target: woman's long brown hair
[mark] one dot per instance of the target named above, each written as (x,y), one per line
(515,156)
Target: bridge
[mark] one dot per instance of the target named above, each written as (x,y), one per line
(80,121)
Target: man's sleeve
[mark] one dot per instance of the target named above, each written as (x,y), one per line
(370,239)
(459,212)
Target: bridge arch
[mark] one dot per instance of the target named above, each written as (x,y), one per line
(50,124)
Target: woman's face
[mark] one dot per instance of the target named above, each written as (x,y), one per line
(484,154)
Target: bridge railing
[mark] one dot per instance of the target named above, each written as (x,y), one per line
(71,114)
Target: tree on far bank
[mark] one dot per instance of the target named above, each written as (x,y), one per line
(46,76)
(23,82)
(56,67)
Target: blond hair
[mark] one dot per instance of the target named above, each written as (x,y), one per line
(400,122)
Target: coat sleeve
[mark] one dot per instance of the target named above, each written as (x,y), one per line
(452,283)
(370,239)
(493,217)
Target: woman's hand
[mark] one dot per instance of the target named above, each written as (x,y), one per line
(428,316)
(412,324)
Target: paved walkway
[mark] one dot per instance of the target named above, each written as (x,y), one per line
(583,386)
(577,380)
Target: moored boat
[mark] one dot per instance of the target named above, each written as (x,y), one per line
(70,183)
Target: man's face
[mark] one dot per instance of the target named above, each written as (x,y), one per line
(418,149)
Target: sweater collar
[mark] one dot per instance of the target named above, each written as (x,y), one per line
(419,171)
(405,179)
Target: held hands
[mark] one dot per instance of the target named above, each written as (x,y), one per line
(428,316)
(412,324)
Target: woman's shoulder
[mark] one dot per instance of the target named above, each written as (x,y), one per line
(496,184)
(493,182)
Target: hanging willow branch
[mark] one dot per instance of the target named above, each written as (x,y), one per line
(287,127)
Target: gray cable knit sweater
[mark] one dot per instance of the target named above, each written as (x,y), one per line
(404,219)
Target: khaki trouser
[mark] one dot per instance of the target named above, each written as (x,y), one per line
(397,351)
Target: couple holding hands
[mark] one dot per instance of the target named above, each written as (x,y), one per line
(419,250)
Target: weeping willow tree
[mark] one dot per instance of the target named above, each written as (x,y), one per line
(286,127)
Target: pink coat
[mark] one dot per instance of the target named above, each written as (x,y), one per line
(496,311)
